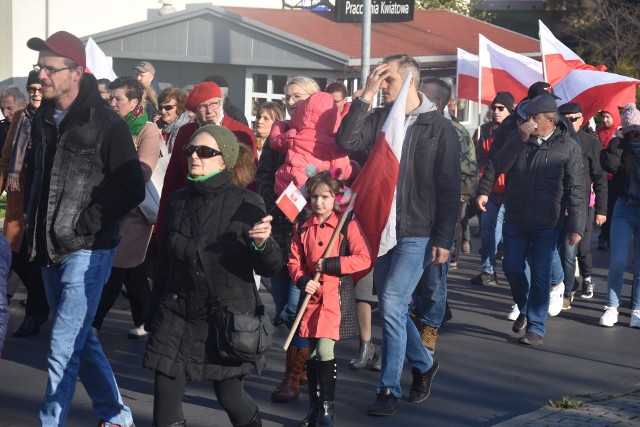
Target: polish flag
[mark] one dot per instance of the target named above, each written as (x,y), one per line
(97,62)
(503,70)
(574,81)
(375,208)
(467,76)
(291,202)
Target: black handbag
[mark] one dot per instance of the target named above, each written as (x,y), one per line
(238,337)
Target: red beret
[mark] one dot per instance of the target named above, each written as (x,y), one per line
(201,93)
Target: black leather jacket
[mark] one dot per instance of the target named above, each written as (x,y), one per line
(86,176)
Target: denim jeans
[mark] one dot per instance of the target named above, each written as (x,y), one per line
(539,246)
(5,269)
(568,258)
(624,224)
(430,296)
(557,268)
(491,227)
(73,290)
(396,275)
(286,298)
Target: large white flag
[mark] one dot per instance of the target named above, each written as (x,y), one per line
(97,61)
(503,70)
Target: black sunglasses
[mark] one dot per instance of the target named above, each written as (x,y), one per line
(167,107)
(202,151)
(497,107)
(574,119)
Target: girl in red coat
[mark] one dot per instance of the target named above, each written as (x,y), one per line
(322,318)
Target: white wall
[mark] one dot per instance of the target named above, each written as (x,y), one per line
(22,19)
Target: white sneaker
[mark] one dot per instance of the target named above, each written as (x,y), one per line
(514,313)
(555,299)
(137,333)
(610,316)
(635,319)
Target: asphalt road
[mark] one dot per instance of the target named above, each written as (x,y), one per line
(485,376)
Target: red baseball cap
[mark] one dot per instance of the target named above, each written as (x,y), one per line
(201,93)
(62,43)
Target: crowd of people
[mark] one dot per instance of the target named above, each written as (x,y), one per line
(78,156)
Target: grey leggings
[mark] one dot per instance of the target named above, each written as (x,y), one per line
(321,349)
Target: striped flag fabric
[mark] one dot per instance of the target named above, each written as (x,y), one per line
(291,202)
(504,70)
(467,72)
(574,81)
(375,208)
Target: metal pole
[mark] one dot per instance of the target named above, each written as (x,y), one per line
(366,41)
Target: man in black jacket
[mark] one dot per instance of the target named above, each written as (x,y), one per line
(86,176)
(545,193)
(593,175)
(426,212)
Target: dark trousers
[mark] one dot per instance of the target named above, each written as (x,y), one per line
(138,291)
(168,393)
(584,248)
(30,273)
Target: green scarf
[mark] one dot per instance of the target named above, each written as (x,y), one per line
(201,178)
(136,119)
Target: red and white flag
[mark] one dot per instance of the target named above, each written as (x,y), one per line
(503,70)
(375,207)
(291,201)
(467,72)
(97,62)
(574,81)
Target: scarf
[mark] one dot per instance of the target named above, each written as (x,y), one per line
(172,129)
(136,119)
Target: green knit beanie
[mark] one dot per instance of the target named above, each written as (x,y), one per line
(226,140)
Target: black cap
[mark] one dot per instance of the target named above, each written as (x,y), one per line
(504,98)
(32,78)
(541,104)
(219,80)
(540,88)
(570,108)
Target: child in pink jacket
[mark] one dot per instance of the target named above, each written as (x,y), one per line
(309,140)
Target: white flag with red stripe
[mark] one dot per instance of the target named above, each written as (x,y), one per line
(375,207)
(291,201)
(97,62)
(467,72)
(574,81)
(503,70)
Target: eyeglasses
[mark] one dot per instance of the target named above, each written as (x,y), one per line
(169,107)
(32,89)
(574,119)
(295,97)
(49,71)
(202,151)
(213,105)
(497,107)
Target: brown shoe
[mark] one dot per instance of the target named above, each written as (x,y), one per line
(428,336)
(289,388)
(531,339)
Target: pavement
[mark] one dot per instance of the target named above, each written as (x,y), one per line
(486,378)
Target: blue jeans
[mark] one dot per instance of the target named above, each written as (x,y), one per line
(286,297)
(624,224)
(568,259)
(73,290)
(430,296)
(539,247)
(491,225)
(396,275)
(5,270)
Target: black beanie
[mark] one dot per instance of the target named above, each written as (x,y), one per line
(504,98)
(33,78)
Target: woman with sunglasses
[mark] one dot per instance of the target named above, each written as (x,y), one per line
(125,98)
(235,232)
(16,154)
(172,114)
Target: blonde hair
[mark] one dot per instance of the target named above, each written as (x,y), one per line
(307,84)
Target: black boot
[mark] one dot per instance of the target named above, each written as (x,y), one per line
(327,373)
(182,423)
(29,326)
(311,420)
(366,353)
(254,422)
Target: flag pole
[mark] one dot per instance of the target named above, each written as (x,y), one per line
(334,238)
(479,87)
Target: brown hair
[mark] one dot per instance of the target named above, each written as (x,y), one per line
(273,109)
(337,87)
(323,178)
(244,171)
(173,93)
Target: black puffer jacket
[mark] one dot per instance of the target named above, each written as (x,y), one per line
(180,304)
(431,189)
(543,181)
